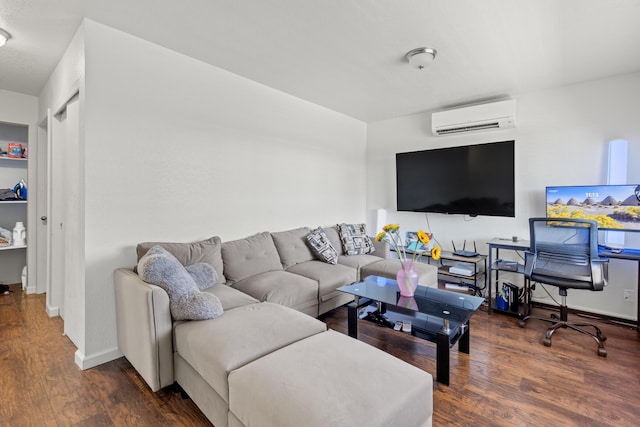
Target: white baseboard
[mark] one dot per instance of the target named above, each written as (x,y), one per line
(88,362)
(31,290)
(53,311)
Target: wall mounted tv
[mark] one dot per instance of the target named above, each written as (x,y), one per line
(470,180)
(614,207)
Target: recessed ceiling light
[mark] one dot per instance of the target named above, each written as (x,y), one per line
(4,36)
(421,57)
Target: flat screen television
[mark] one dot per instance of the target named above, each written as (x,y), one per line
(614,207)
(470,180)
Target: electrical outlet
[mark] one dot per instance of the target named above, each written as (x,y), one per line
(627,296)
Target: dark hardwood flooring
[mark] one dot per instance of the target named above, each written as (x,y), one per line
(509,379)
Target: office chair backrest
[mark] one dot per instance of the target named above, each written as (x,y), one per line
(565,253)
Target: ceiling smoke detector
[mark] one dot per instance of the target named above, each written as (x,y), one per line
(421,57)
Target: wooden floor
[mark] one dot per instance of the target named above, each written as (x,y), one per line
(509,379)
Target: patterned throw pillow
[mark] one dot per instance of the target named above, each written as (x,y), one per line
(321,246)
(355,240)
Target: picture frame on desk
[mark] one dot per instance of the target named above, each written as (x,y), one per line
(411,242)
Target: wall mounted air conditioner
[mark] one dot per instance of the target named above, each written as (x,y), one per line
(491,116)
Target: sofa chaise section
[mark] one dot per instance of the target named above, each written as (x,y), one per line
(264,364)
(207,351)
(145,327)
(330,379)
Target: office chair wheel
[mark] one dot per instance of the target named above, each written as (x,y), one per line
(546,341)
(602,352)
(522,323)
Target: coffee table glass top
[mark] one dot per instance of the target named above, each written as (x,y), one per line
(431,301)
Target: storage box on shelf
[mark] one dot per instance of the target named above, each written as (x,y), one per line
(515,299)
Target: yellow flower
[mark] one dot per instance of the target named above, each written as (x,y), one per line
(391,228)
(381,235)
(423,237)
(436,252)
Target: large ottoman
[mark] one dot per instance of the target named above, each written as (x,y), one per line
(329,379)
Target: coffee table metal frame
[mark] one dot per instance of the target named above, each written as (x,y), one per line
(436,315)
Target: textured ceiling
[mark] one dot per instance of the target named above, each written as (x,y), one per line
(348,55)
(40,32)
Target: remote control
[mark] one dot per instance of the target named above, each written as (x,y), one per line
(406,326)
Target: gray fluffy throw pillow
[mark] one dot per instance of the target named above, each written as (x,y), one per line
(186,301)
(203,274)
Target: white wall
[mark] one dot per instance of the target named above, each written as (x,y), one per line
(17,108)
(561,139)
(179,150)
(65,81)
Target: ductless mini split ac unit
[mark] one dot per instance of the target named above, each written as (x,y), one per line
(474,118)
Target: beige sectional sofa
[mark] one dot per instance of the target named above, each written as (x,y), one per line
(267,361)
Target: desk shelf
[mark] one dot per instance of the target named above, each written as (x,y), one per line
(496,270)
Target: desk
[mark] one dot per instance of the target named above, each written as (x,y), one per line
(630,255)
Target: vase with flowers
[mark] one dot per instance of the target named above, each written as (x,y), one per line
(407,277)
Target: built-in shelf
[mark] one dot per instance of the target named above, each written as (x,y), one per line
(12,170)
(10,247)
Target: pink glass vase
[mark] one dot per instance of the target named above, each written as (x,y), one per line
(408,302)
(407,279)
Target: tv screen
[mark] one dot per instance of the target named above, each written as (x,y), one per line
(471,180)
(614,207)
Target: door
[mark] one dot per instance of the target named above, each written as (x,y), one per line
(56,213)
(43,251)
(62,176)
(70,224)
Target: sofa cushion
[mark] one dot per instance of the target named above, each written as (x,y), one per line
(334,237)
(186,301)
(329,277)
(321,246)
(358,261)
(292,246)
(230,297)
(207,251)
(250,256)
(355,240)
(281,287)
(427,274)
(330,379)
(216,347)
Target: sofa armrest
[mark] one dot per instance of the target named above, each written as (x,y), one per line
(144,328)
(382,249)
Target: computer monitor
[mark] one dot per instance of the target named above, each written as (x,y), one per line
(614,207)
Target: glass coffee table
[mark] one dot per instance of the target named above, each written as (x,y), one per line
(438,316)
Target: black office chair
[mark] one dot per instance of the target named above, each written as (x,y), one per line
(564,253)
